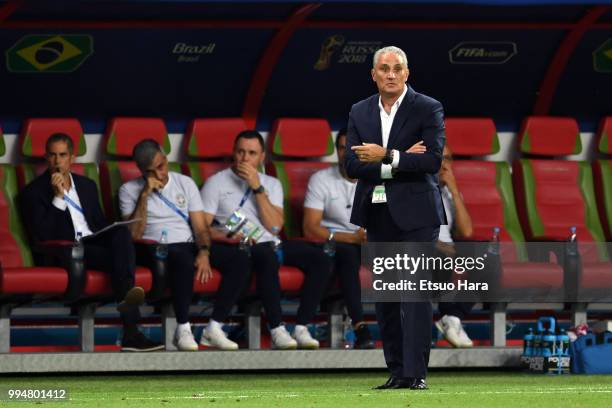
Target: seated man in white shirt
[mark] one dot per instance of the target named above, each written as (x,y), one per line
(327,210)
(169,203)
(241,189)
(459,227)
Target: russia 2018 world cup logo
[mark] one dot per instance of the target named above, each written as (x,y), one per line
(329,46)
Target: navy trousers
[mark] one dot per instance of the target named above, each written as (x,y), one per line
(405,327)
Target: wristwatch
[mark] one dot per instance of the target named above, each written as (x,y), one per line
(259,189)
(204,248)
(388,159)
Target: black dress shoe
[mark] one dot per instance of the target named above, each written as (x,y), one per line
(394,383)
(418,384)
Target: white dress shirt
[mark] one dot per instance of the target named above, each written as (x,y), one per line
(386,122)
(78,218)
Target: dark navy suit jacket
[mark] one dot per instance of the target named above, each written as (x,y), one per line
(413,195)
(46,222)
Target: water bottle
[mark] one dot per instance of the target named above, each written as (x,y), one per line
(548,342)
(277,245)
(572,242)
(78,251)
(528,343)
(161,250)
(562,343)
(329,247)
(348,333)
(493,247)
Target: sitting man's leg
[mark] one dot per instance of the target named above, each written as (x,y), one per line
(181,270)
(234,266)
(317,269)
(347,265)
(265,265)
(113,252)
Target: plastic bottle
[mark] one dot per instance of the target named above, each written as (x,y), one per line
(349,333)
(493,248)
(78,251)
(528,343)
(548,342)
(562,343)
(161,250)
(329,247)
(277,245)
(572,242)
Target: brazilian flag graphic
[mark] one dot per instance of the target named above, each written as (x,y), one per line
(49,53)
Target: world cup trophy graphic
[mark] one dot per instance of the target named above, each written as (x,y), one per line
(329,46)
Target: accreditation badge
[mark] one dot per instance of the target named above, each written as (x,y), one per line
(379,195)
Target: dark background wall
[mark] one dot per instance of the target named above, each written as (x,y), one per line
(186,59)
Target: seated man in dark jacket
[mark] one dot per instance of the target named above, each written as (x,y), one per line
(59,205)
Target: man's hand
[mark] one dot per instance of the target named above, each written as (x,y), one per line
(58,184)
(202,265)
(360,235)
(417,148)
(153,184)
(447,177)
(249,174)
(369,152)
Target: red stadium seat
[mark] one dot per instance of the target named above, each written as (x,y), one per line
(554,195)
(122,134)
(212,138)
(486,188)
(298,138)
(301,138)
(36,131)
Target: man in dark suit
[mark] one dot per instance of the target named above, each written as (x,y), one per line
(59,205)
(397,198)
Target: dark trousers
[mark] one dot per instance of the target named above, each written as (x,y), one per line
(113,252)
(317,269)
(234,267)
(347,263)
(457,309)
(231,263)
(405,327)
(308,258)
(180,273)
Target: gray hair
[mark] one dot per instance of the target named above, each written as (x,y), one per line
(144,153)
(390,49)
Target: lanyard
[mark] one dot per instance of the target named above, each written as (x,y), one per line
(73,204)
(173,207)
(246,195)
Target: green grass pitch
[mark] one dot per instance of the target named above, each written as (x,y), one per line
(461,389)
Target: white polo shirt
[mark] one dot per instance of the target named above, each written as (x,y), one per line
(180,190)
(333,194)
(222,193)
